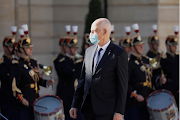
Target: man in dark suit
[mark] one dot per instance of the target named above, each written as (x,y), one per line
(102,88)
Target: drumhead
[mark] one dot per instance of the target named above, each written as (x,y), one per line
(50,102)
(160,100)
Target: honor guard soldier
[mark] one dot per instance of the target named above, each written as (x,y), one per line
(65,67)
(158,78)
(167,62)
(25,81)
(6,100)
(139,84)
(125,42)
(59,64)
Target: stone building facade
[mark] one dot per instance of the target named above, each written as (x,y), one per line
(47,20)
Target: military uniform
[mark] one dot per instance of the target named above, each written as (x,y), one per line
(167,62)
(65,68)
(155,56)
(139,83)
(25,82)
(6,101)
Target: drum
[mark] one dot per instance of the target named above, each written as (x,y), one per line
(162,106)
(48,107)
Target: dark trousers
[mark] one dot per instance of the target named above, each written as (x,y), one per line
(88,113)
(8,112)
(136,113)
(67,107)
(88,116)
(26,114)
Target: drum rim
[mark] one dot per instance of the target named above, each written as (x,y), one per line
(50,112)
(161,90)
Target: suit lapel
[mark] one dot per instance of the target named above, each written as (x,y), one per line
(105,56)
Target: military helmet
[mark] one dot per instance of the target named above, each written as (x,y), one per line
(25,42)
(8,41)
(153,39)
(172,40)
(125,42)
(61,41)
(66,40)
(72,42)
(136,40)
(15,46)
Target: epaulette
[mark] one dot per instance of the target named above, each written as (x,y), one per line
(55,57)
(145,56)
(78,56)
(33,59)
(2,60)
(15,62)
(62,59)
(163,55)
(79,60)
(177,53)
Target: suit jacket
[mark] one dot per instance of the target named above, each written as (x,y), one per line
(107,85)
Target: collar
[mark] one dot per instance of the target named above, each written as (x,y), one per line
(170,53)
(28,60)
(63,54)
(15,57)
(104,47)
(137,57)
(70,56)
(10,58)
(155,52)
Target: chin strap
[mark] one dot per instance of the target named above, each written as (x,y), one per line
(64,49)
(71,51)
(170,49)
(17,53)
(153,47)
(136,50)
(25,52)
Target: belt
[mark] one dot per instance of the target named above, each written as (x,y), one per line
(29,85)
(147,83)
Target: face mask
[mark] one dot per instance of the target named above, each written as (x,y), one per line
(94,38)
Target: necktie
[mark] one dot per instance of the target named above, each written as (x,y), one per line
(98,56)
(96,59)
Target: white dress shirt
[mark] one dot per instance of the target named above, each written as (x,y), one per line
(70,56)
(104,47)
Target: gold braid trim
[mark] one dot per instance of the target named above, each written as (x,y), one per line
(148,73)
(35,77)
(14,87)
(36,72)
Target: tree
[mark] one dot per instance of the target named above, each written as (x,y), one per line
(95,12)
